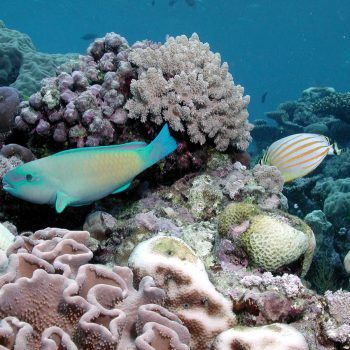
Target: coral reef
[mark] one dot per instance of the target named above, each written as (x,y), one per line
(6,238)
(326,271)
(338,326)
(22,67)
(183,83)
(275,336)
(323,199)
(336,104)
(14,150)
(86,307)
(9,104)
(97,100)
(318,110)
(189,293)
(270,241)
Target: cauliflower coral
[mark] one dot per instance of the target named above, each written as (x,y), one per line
(183,83)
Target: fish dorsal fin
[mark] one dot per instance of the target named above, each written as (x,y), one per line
(121,147)
(122,188)
(62,201)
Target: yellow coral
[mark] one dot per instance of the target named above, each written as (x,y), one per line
(235,214)
(272,243)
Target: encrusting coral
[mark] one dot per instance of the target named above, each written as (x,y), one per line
(183,83)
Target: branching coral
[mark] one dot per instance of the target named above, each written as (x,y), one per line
(184,83)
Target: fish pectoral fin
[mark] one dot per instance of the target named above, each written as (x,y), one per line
(122,188)
(62,201)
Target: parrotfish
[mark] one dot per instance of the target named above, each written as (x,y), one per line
(298,155)
(81,176)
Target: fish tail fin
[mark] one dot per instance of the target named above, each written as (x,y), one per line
(334,150)
(337,150)
(160,147)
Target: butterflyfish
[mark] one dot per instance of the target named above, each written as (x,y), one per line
(81,176)
(298,155)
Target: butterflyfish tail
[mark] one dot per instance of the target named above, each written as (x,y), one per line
(337,150)
(161,146)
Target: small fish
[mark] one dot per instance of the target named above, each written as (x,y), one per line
(263,97)
(297,155)
(81,176)
(89,36)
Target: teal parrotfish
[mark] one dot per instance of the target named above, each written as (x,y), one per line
(298,155)
(83,175)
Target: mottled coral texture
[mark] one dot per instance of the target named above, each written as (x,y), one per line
(337,328)
(184,83)
(188,291)
(85,307)
(276,336)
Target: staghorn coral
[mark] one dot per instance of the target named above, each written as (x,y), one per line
(183,83)
(276,336)
(86,307)
(189,293)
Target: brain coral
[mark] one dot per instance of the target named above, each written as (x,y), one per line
(271,241)
(183,83)
(235,214)
(86,307)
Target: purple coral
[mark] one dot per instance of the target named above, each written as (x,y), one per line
(80,106)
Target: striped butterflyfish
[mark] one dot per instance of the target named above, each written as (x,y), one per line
(297,155)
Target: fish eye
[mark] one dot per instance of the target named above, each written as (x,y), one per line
(29,177)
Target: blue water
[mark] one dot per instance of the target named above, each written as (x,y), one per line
(276,46)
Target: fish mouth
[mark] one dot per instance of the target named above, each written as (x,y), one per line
(7,185)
